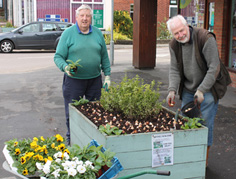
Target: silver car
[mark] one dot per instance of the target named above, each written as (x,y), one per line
(34,35)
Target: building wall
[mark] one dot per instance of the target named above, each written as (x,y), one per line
(162,12)
(122,4)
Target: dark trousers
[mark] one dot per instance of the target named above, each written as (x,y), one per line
(77,89)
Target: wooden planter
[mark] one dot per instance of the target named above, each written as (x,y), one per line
(134,151)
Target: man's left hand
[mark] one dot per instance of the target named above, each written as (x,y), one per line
(199,96)
(107,82)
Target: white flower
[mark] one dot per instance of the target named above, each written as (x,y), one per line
(71,172)
(56,173)
(57,155)
(81,169)
(67,165)
(58,160)
(88,163)
(66,156)
(79,162)
(39,165)
(46,169)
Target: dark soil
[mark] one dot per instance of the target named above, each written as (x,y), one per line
(164,121)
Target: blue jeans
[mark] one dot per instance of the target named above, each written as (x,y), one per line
(208,111)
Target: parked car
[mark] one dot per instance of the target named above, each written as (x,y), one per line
(34,35)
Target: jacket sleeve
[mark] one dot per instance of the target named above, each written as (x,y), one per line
(174,74)
(211,55)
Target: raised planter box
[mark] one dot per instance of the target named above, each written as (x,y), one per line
(135,150)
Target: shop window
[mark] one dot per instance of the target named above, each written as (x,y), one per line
(193,11)
(132,11)
(211,16)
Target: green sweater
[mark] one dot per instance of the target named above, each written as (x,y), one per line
(90,48)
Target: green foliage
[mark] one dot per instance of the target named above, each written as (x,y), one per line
(116,36)
(109,130)
(163,32)
(192,123)
(73,64)
(105,157)
(133,98)
(123,23)
(8,24)
(79,102)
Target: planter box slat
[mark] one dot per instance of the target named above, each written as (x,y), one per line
(135,151)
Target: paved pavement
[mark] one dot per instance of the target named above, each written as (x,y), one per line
(32,105)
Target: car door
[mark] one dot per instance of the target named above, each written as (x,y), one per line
(50,35)
(29,36)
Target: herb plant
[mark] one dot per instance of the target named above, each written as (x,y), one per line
(192,123)
(73,65)
(133,98)
(109,130)
(79,102)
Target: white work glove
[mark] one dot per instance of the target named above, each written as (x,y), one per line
(107,82)
(67,70)
(199,96)
(171,98)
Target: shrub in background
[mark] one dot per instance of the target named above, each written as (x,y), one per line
(163,32)
(123,23)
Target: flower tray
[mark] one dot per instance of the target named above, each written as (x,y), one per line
(114,169)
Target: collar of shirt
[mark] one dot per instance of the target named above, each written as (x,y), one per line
(90,29)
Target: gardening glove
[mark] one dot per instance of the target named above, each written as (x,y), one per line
(107,82)
(67,70)
(199,97)
(171,98)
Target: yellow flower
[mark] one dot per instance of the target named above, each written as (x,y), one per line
(59,138)
(42,138)
(35,139)
(61,147)
(17,151)
(25,172)
(29,155)
(33,145)
(49,158)
(15,144)
(22,160)
(53,145)
(67,151)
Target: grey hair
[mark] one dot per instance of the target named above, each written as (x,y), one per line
(84,6)
(171,22)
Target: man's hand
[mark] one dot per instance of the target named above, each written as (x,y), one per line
(199,96)
(67,70)
(171,98)
(107,82)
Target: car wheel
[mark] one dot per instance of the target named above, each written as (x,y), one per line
(6,46)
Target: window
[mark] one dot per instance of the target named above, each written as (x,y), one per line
(63,26)
(173,2)
(1,4)
(49,27)
(173,10)
(193,11)
(132,11)
(31,28)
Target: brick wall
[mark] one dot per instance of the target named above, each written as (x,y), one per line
(233,78)
(123,4)
(162,11)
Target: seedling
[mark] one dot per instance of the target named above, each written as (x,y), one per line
(109,130)
(79,102)
(192,123)
(74,65)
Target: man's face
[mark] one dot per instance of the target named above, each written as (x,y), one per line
(180,32)
(84,19)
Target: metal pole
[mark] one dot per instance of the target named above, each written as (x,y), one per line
(112,42)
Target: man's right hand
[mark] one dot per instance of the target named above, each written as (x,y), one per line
(171,98)
(67,70)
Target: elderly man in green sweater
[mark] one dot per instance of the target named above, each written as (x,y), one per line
(83,42)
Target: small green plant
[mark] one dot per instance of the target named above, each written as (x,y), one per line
(8,24)
(79,102)
(105,157)
(163,32)
(116,36)
(133,98)
(73,65)
(109,130)
(192,123)
(123,23)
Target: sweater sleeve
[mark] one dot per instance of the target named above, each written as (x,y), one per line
(61,54)
(105,62)
(174,74)
(211,55)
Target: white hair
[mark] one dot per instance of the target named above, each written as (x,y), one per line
(171,22)
(84,6)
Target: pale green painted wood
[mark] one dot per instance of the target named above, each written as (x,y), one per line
(180,171)
(134,151)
